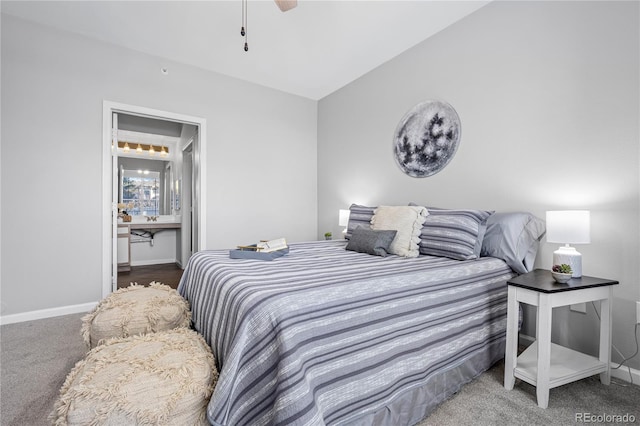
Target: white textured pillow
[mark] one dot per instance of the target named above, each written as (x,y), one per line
(407,220)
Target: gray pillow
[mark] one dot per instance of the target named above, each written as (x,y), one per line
(514,238)
(359,216)
(370,241)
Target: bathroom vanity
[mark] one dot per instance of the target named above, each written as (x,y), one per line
(143,242)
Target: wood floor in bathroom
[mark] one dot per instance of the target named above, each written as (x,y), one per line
(168,273)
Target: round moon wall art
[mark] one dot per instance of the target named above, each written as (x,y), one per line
(427,138)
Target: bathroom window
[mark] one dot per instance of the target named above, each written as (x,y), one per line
(141,191)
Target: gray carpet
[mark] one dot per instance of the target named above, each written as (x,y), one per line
(37,355)
(485,401)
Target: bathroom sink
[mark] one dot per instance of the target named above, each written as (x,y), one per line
(160,219)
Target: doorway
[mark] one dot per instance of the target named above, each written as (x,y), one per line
(196,210)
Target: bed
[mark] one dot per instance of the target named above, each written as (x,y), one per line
(326,335)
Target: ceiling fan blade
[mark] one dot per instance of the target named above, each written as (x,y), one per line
(285,5)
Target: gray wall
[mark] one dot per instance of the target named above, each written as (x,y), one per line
(53,87)
(547,93)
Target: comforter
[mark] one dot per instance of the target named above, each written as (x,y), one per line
(329,336)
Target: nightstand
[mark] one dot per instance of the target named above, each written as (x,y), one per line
(547,365)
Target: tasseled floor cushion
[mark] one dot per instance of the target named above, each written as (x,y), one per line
(163,378)
(135,310)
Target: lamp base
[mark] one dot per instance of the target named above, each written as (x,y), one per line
(571,257)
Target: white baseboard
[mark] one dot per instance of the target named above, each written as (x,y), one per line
(152,262)
(623,373)
(47,313)
(525,340)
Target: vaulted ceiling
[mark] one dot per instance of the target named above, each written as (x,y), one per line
(311,50)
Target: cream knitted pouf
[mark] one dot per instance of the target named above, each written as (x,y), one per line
(163,378)
(135,310)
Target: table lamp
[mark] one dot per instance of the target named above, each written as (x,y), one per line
(343,219)
(569,227)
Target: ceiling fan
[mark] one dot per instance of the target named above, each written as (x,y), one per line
(283,5)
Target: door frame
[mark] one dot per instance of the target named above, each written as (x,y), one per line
(108,206)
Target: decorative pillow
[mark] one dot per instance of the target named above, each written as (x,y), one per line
(454,233)
(371,241)
(407,220)
(515,238)
(359,216)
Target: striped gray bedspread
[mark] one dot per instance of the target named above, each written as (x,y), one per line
(329,336)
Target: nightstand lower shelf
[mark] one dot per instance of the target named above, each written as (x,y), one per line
(566,365)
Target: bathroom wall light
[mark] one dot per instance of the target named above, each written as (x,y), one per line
(141,148)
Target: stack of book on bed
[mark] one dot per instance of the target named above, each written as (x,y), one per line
(264,250)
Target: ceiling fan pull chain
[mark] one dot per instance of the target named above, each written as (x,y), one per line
(244,30)
(284,5)
(244,4)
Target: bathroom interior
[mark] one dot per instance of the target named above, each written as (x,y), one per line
(155,180)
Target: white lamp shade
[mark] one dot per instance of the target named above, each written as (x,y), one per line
(569,227)
(343,217)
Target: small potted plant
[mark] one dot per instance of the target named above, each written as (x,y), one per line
(561,273)
(327,235)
